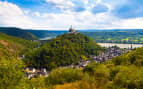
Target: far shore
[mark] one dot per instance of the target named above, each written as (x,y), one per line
(121,45)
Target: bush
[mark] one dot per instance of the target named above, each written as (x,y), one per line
(61,76)
(129,77)
(11,75)
(99,72)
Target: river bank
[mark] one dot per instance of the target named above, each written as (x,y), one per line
(120,45)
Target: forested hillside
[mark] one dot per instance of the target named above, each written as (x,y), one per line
(13,46)
(123,72)
(11,67)
(64,50)
(18,33)
(132,58)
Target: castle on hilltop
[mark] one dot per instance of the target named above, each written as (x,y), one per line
(72,31)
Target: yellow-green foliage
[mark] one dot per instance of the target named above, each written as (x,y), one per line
(11,75)
(62,51)
(76,85)
(38,83)
(123,72)
(134,57)
(61,76)
(130,77)
(12,46)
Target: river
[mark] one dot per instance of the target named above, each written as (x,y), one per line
(120,45)
(47,38)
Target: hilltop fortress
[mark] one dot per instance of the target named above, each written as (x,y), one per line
(72,31)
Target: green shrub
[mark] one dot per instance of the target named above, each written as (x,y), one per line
(129,77)
(61,76)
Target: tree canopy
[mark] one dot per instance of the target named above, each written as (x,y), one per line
(64,50)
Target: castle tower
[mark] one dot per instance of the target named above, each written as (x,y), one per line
(72,31)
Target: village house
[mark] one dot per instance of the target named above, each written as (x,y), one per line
(110,53)
(32,72)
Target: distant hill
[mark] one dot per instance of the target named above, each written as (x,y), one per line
(64,50)
(101,36)
(45,33)
(13,47)
(109,36)
(135,37)
(108,30)
(17,33)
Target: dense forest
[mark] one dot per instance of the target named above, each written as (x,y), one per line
(122,72)
(11,67)
(13,46)
(62,51)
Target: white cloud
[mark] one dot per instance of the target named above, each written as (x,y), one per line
(36,14)
(12,15)
(136,23)
(82,20)
(9,9)
(62,4)
(26,11)
(116,3)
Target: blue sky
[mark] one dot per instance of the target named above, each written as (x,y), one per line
(82,14)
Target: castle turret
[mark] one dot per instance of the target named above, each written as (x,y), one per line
(72,31)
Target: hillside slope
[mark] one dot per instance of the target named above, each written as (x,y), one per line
(13,46)
(64,50)
(18,33)
(134,57)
